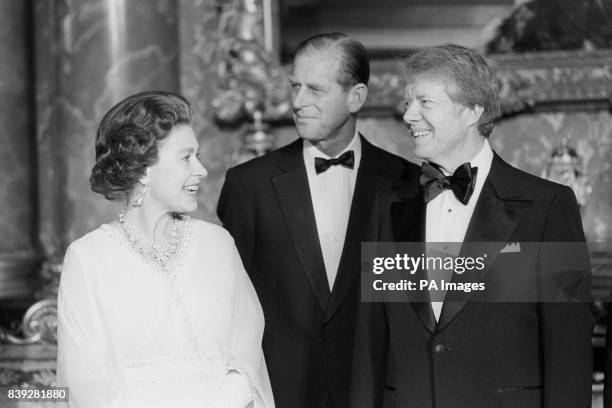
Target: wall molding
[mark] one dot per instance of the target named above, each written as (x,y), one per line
(538,81)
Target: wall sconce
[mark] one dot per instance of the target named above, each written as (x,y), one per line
(565,167)
(252,85)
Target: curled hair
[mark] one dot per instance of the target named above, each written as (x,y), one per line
(127,140)
(354,67)
(468,78)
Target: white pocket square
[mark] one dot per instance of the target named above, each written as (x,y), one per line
(511,248)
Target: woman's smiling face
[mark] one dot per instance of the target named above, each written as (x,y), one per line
(175,177)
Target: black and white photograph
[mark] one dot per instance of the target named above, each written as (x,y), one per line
(306,203)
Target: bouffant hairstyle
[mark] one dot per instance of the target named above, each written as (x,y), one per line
(468,78)
(127,140)
(354,65)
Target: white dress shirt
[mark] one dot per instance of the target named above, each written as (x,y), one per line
(332,194)
(447,218)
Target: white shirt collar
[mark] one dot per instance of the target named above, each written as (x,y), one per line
(484,158)
(482,161)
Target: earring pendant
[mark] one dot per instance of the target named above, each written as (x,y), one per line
(140,196)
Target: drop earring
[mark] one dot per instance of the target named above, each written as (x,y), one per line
(140,196)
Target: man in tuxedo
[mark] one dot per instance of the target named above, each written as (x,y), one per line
(464,353)
(297,215)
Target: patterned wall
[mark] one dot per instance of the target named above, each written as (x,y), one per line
(527,140)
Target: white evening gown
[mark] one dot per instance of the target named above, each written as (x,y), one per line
(131,335)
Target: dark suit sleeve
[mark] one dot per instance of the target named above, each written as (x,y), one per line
(237,214)
(370,356)
(566,327)
(369,366)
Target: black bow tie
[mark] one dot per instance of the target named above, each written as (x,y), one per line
(346,159)
(462,182)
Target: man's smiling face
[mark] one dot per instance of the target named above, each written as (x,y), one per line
(438,125)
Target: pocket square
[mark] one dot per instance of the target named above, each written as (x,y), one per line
(513,247)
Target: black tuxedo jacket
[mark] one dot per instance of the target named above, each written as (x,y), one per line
(479,355)
(266,206)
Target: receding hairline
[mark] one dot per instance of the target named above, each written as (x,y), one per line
(327,51)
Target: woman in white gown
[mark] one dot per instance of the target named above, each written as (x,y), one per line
(155,308)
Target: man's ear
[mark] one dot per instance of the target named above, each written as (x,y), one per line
(474,114)
(356,97)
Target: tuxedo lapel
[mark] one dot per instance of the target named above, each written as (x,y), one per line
(408,221)
(499,209)
(368,182)
(293,194)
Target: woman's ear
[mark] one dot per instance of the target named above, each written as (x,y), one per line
(146,179)
(356,97)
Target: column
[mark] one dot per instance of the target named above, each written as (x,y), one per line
(90,54)
(18,256)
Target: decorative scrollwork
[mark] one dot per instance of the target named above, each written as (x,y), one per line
(39,325)
(549,80)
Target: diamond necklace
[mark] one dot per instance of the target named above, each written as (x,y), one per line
(160,254)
